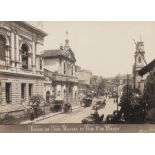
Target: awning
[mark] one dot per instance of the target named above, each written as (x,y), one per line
(147,68)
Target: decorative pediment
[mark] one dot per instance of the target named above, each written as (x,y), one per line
(70,55)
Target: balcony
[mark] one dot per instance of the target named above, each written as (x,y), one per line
(60,77)
(64,78)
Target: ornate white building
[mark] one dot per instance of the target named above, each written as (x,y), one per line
(21,65)
(59,66)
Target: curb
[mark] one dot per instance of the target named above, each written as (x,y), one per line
(51,116)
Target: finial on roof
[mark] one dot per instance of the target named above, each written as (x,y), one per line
(140,37)
(66,41)
(67,33)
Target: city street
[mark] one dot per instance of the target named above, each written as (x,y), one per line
(78,114)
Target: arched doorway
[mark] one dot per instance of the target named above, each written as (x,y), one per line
(24,56)
(2,48)
(47,96)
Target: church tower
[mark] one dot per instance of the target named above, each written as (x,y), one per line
(66,47)
(138,65)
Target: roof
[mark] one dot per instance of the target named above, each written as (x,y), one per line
(33,28)
(147,68)
(52,53)
(86,71)
(58,52)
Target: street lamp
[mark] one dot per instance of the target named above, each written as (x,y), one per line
(117,97)
(117,85)
(44,108)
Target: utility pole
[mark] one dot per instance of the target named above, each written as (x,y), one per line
(127,90)
(117,97)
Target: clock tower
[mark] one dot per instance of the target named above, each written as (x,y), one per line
(138,65)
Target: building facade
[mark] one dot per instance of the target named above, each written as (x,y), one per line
(21,65)
(149,90)
(84,80)
(117,83)
(59,66)
(149,71)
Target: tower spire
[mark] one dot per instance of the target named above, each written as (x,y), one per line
(66,41)
(67,33)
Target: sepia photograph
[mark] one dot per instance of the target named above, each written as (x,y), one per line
(77,76)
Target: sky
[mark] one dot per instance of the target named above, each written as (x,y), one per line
(105,48)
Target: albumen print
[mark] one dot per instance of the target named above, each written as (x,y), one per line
(93,76)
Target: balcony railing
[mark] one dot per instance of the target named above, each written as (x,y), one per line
(60,77)
(21,70)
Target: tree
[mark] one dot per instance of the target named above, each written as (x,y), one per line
(148,95)
(98,84)
(127,96)
(101,87)
(36,100)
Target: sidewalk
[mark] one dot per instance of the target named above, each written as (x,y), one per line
(47,116)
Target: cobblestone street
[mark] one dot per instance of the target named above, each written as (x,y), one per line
(78,114)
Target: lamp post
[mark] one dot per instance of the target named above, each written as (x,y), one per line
(44,108)
(117,97)
(117,93)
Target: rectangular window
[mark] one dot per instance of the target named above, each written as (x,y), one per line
(30,90)
(23,91)
(72,70)
(41,63)
(8,92)
(64,68)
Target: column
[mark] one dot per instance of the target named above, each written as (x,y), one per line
(60,66)
(73,70)
(30,55)
(12,50)
(33,57)
(42,63)
(17,51)
(7,56)
(30,61)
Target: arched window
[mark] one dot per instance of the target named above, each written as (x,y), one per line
(139,59)
(24,56)
(41,63)
(47,96)
(2,48)
(72,70)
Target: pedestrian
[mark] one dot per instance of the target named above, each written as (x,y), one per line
(31,114)
(96,116)
(114,100)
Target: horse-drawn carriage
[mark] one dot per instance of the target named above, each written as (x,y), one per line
(56,105)
(87,100)
(93,119)
(99,104)
(115,118)
(60,105)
